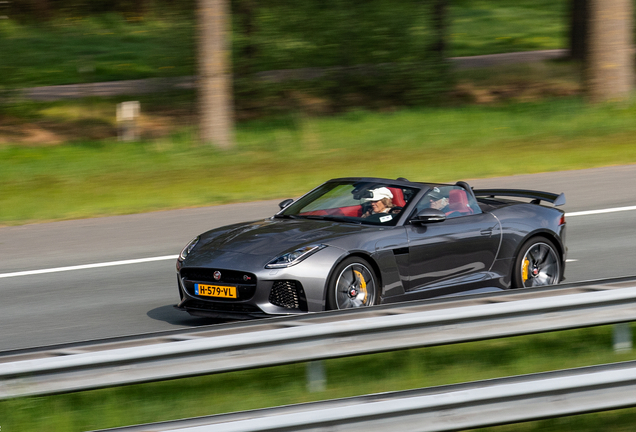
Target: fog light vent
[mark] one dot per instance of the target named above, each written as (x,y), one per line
(288,294)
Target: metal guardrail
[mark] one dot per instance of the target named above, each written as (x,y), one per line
(444,408)
(239,327)
(397,327)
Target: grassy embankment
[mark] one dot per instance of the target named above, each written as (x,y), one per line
(345,377)
(285,157)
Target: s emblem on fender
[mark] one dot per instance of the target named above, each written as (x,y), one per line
(217,275)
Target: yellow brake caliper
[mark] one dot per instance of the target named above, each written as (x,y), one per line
(524,270)
(363,285)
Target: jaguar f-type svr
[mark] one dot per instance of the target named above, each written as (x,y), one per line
(355,242)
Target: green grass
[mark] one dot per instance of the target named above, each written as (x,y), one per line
(76,49)
(490,27)
(351,376)
(280,158)
(92,49)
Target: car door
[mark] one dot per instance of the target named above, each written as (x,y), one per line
(446,256)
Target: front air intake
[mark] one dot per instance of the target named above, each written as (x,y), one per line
(288,294)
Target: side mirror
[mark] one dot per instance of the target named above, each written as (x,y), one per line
(429,215)
(285,203)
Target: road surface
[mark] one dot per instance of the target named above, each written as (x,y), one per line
(108,298)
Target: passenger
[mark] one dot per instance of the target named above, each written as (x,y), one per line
(381,202)
(437,200)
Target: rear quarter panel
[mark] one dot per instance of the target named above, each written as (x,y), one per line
(522,221)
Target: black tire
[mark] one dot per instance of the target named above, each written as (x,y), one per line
(537,264)
(353,284)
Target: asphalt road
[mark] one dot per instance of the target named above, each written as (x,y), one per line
(123,299)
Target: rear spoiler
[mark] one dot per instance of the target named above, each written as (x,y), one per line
(536,196)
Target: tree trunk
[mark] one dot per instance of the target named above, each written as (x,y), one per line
(246,16)
(610,60)
(579,11)
(41,9)
(440,25)
(141,7)
(215,79)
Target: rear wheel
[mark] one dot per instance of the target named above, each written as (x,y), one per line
(538,264)
(352,285)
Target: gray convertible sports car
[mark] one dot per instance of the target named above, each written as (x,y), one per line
(355,242)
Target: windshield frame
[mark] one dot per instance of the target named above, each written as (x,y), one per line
(347,211)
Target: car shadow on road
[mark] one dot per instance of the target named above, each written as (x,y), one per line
(173,316)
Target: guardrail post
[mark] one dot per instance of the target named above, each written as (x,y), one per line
(622,337)
(316,378)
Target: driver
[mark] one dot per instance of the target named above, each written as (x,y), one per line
(381,201)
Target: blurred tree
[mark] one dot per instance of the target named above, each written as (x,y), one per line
(246,16)
(141,7)
(41,9)
(579,11)
(440,24)
(609,65)
(215,73)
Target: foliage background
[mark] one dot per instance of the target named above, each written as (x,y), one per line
(376,50)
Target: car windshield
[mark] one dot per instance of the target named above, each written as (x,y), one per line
(366,202)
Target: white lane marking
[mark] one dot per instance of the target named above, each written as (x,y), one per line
(571,260)
(88,266)
(171,257)
(593,212)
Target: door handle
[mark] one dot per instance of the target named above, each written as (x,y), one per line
(486,232)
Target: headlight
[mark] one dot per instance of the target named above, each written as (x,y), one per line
(186,250)
(292,258)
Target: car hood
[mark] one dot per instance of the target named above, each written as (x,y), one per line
(271,237)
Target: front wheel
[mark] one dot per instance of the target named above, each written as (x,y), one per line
(352,285)
(538,264)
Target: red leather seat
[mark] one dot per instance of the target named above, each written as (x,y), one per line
(353,211)
(398,197)
(458,202)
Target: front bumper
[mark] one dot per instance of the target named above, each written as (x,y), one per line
(286,301)
(265,292)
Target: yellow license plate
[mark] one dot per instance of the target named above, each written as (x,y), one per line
(215,290)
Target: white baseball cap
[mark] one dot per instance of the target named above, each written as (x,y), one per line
(378,194)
